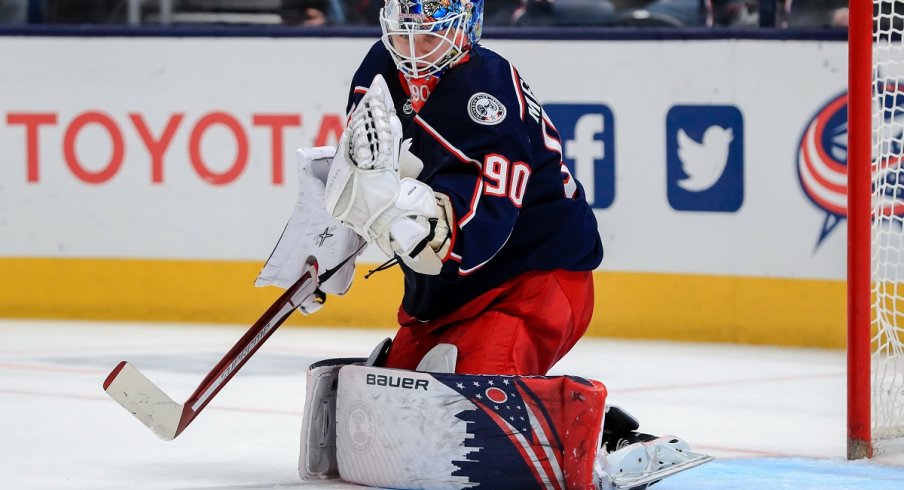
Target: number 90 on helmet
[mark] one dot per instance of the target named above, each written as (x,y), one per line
(425,37)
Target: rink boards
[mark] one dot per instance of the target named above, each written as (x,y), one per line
(149,178)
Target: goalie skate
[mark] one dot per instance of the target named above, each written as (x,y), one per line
(641,464)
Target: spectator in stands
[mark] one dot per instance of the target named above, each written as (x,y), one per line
(840,17)
(363,12)
(13,11)
(817,13)
(738,12)
(84,11)
(666,13)
(735,13)
(367,12)
(564,12)
(788,14)
(500,12)
(312,12)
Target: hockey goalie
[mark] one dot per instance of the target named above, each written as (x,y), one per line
(451,167)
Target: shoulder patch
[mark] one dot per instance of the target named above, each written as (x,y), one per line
(486,109)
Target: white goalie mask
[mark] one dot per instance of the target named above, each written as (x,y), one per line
(427,36)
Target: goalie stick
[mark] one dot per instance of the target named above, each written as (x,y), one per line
(166,418)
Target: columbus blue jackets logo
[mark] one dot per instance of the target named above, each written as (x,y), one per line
(705,158)
(360,428)
(485,109)
(822,163)
(888,177)
(822,158)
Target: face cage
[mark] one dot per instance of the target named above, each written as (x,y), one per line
(449,49)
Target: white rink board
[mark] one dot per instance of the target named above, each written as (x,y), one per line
(777,86)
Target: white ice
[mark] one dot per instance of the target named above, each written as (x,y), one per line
(773,417)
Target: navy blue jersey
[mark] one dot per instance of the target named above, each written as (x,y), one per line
(487,143)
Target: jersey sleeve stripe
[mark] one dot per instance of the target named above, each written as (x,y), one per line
(475,200)
(465,272)
(448,146)
(360,90)
(549,141)
(516,80)
(478,188)
(454,234)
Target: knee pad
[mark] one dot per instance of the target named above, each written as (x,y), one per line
(406,429)
(442,358)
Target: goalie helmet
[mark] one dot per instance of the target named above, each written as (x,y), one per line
(427,36)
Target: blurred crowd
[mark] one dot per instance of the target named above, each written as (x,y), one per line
(656,13)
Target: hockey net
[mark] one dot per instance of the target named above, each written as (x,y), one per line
(876,229)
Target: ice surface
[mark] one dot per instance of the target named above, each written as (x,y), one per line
(774,417)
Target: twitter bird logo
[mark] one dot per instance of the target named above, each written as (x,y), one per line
(705,153)
(703,162)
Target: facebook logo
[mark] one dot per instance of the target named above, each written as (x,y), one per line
(705,158)
(588,147)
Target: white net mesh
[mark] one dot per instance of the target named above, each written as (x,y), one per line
(888,225)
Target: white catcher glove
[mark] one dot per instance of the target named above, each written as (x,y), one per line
(365,191)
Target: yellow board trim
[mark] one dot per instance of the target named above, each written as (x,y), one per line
(684,307)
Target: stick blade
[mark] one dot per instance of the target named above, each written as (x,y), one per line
(143,399)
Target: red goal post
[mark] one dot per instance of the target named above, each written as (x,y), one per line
(860,80)
(875,228)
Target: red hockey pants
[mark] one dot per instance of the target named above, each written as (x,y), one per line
(522,327)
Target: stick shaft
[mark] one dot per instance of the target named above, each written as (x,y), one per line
(155,409)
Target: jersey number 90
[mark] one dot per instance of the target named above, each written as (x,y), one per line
(505,179)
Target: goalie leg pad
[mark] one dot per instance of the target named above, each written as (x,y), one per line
(405,429)
(317,460)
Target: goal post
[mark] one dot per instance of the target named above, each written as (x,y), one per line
(860,81)
(875,228)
